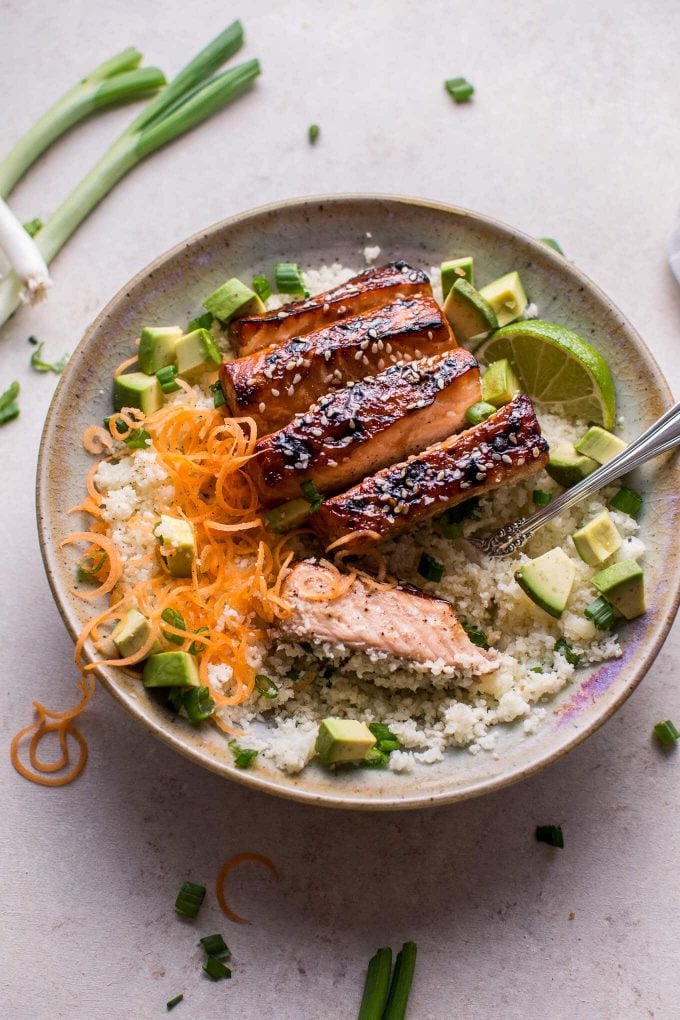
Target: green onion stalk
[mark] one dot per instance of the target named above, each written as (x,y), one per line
(190,98)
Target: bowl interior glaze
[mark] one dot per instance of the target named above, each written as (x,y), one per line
(322,230)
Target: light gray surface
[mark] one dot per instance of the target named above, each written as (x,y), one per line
(573,133)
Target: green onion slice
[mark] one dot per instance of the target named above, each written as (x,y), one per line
(627,501)
(477,636)
(203,321)
(552,243)
(402,979)
(175,619)
(137,439)
(601,612)
(550,834)
(460,89)
(215,969)
(45,366)
(198,646)
(666,733)
(430,568)
(243,756)
(479,412)
(540,498)
(266,686)
(312,495)
(567,651)
(91,565)
(173,1002)
(289,280)
(32,227)
(313,132)
(198,704)
(219,398)
(215,945)
(261,286)
(189,899)
(167,378)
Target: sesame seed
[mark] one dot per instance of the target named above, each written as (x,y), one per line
(430,334)
(381,364)
(373,333)
(535,452)
(440,384)
(364,344)
(513,438)
(417,353)
(316,432)
(329,378)
(388,348)
(290,390)
(297,378)
(332,463)
(506,459)
(327,355)
(275,393)
(365,360)
(495,456)
(465,485)
(290,366)
(262,407)
(413,277)
(457,475)
(326,306)
(358,356)
(441,475)
(480,476)
(520,461)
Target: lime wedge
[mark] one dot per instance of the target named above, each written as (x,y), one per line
(557,368)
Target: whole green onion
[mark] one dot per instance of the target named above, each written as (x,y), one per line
(9,407)
(376,986)
(402,979)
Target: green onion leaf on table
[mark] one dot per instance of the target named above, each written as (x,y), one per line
(191,97)
(377,985)
(402,979)
(9,407)
(550,834)
(243,756)
(45,366)
(459,89)
(288,278)
(261,286)
(174,1002)
(189,899)
(666,733)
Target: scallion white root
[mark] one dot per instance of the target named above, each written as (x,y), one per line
(28,265)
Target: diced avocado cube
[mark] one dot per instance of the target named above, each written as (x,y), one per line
(548,581)
(131,634)
(457,269)
(178,544)
(233,300)
(567,467)
(288,515)
(197,353)
(469,314)
(597,540)
(343,740)
(499,383)
(600,445)
(507,297)
(623,585)
(137,389)
(171,669)
(157,347)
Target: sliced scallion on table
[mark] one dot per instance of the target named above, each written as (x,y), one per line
(666,733)
(215,969)
(627,501)
(313,132)
(174,1002)
(402,979)
(189,899)
(191,97)
(550,834)
(376,986)
(261,286)
(460,89)
(430,568)
(288,278)
(9,407)
(46,366)
(215,945)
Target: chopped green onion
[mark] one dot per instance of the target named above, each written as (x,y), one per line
(312,495)
(627,501)
(313,133)
(430,568)
(386,742)
(376,986)
(381,731)
(166,377)
(450,529)
(402,979)
(479,412)
(601,612)
(173,1002)
(266,687)
(32,227)
(376,757)
(550,834)
(215,969)
(175,619)
(666,733)
(219,398)
(552,243)
(293,674)
(464,511)
(198,646)
(137,439)
(45,366)
(215,945)
(460,89)
(189,899)
(203,321)
(33,340)
(565,649)
(91,565)
(9,408)
(261,286)
(540,498)
(243,756)
(198,704)
(477,636)
(537,669)
(289,280)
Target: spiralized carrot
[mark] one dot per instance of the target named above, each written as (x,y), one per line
(224,871)
(123,365)
(355,538)
(96,439)
(115,565)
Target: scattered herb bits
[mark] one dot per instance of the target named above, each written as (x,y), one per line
(540,498)
(198,646)
(386,742)
(550,834)
(243,756)
(33,227)
(91,566)
(261,286)
(312,495)
(219,398)
(627,501)
(198,704)
(602,613)
(46,366)
(215,945)
(215,969)
(176,620)
(430,568)
(167,377)
(460,89)
(137,439)
(565,649)
(189,899)
(552,243)
(266,687)
(666,733)
(476,635)
(203,321)
(289,279)
(174,1002)
(313,132)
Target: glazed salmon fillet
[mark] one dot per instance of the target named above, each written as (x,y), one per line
(275,384)
(402,622)
(505,448)
(371,289)
(356,431)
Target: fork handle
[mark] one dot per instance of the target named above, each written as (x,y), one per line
(660,437)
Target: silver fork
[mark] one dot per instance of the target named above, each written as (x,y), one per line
(660,437)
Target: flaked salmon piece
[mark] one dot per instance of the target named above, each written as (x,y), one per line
(275,384)
(356,431)
(403,622)
(370,289)
(505,448)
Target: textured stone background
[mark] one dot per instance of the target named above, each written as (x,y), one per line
(573,133)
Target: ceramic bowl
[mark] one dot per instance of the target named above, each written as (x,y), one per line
(322,230)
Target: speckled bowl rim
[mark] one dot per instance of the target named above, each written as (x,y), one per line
(264,783)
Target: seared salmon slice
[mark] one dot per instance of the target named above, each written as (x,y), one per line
(506,447)
(370,289)
(402,622)
(275,384)
(356,431)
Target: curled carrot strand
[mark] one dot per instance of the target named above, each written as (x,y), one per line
(224,871)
